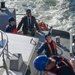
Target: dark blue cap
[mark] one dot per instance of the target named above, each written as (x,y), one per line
(28,11)
(11,19)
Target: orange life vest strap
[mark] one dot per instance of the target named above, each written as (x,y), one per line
(48,45)
(54,44)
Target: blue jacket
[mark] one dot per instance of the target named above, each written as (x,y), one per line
(47,51)
(9,28)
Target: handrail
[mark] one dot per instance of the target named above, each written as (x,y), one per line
(20,14)
(3,49)
(6,43)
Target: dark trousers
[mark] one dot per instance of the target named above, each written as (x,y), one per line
(25,32)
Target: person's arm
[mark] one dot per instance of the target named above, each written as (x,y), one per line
(7,29)
(40,50)
(20,24)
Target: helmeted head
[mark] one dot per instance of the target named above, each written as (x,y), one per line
(11,19)
(40,62)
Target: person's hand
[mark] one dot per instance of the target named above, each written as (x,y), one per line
(20,32)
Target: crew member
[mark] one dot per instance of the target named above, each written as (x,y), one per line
(49,46)
(56,65)
(11,27)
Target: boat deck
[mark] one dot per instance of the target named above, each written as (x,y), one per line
(18,44)
(27,46)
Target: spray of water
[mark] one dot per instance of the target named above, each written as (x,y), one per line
(57,13)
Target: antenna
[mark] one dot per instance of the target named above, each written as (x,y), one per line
(50,30)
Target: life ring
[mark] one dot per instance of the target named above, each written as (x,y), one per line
(42,26)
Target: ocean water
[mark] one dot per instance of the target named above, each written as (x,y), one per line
(57,13)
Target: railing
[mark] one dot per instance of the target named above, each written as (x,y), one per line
(4,47)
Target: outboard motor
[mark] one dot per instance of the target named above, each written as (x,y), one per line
(5,13)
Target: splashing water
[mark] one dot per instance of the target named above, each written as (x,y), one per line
(57,13)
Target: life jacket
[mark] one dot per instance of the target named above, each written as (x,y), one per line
(54,45)
(14,31)
(42,26)
(59,64)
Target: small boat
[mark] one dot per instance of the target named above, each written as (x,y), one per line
(20,50)
(17,52)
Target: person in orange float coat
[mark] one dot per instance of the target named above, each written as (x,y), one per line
(49,46)
(54,65)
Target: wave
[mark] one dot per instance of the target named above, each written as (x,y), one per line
(57,13)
